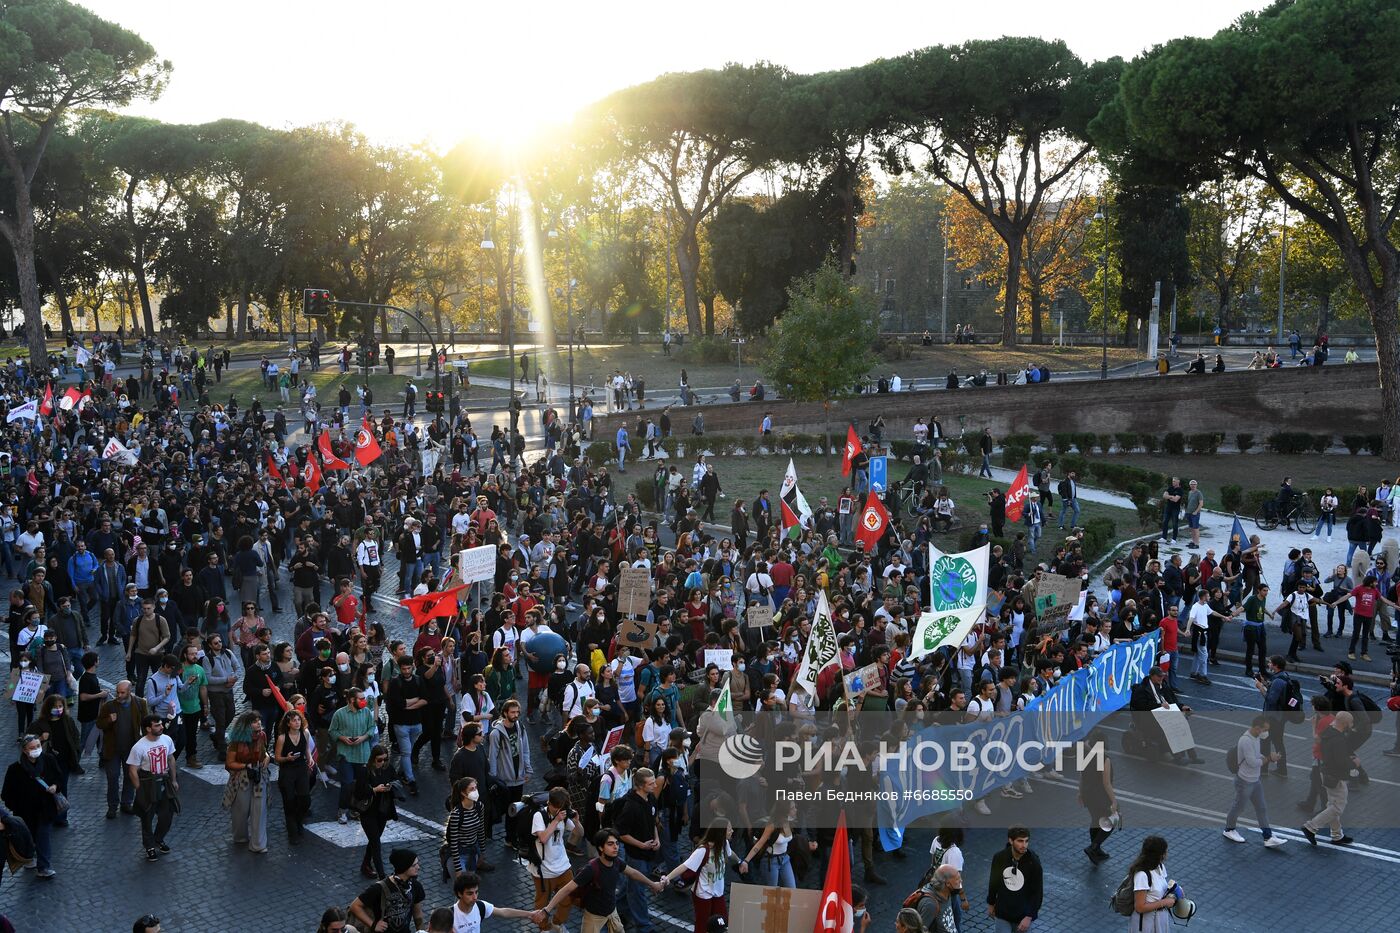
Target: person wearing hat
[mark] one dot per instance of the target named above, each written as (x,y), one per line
(394,905)
(1154,693)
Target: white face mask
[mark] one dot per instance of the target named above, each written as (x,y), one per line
(561,665)
(34,753)
(473,795)
(741,667)
(344,668)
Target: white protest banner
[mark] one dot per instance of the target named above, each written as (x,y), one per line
(430,461)
(29,411)
(821,650)
(116,450)
(722,658)
(476,564)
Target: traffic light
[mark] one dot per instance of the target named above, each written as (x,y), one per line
(362,357)
(316,302)
(435,401)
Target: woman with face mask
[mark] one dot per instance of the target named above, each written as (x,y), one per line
(59,730)
(31,791)
(465,831)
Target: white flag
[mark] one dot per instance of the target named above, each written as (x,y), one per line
(430,461)
(796,511)
(115,450)
(821,650)
(957,598)
(29,411)
(82,357)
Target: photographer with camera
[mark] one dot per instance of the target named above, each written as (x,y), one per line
(551,827)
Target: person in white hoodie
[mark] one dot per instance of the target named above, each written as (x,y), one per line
(1247,785)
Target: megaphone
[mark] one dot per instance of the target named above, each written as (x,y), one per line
(1184,908)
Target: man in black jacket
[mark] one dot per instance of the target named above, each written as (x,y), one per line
(1151,694)
(1015,886)
(1337,749)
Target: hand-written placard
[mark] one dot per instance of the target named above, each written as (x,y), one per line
(722,658)
(635,634)
(476,564)
(1055,596)
(761,616)
(611,742)
(862,679)
(28,686)
(634,591)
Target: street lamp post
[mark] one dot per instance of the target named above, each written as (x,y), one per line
(1102,217)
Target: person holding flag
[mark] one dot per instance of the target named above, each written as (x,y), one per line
(853,449)
(367,449)
(329,459)
(796,513)
(874,523)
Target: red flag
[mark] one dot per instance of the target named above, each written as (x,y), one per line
(70,399)
(46,406)
(311,473)
(328,458)
(853,447)
(432,605)
(367,449)
(33,483)
(277,695)
(361,622)
(874,519)
(1016,496)
(274,472)
(835,914)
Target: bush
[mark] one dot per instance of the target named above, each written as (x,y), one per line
(1231,497)
(903,450)
(1013,458)
(891,349)
(1063,443)
(1085,443)
(1106,443)
(1204,443)
(788,442)
(1321,442)
(1174,443)
(1149,442)
(703,349)
(599,452)
(1375,444)
(1099,535)
(1244,442)
(749,443)
(1355,443)
(972,444)
(646,494)
(672,446)
(1290,442)
(1072,463)
(1019,440)
(1127,441)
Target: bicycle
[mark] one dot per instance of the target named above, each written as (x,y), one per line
(1302,514)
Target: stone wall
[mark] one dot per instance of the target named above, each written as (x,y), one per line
(1329,399)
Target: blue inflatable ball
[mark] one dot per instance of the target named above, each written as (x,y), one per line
(547,648)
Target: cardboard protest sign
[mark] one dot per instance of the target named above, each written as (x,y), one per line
(634,591)
(636,634)
(760,616)
(862,679)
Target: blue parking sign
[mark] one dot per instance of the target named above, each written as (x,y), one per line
(879,473)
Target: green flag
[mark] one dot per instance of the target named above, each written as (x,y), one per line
(725,706)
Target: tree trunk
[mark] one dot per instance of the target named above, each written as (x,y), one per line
(710,315)
(228,323)
(688,266)
(243,299)
(1324,312)
(826,420)
(1387,326)
(65,316)
(29,297)
(437,319)
(138,267)
(1013,291)
(1037,329)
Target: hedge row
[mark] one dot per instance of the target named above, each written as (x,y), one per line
(1177,443)
(1100,535)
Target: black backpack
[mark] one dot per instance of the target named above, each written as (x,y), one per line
(556,747)
(1293,703)
(1124,900)
(518,834)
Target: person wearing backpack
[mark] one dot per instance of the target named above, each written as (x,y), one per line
(1247,761)
(596,885)
(550,827)
(469,910)
(1283,697)
(394,904)
(1145,896)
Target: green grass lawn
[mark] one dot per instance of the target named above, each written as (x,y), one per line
(662,372)
(746,476)
(1340,470)
(245,384)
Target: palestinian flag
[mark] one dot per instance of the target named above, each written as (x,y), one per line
(797,514)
